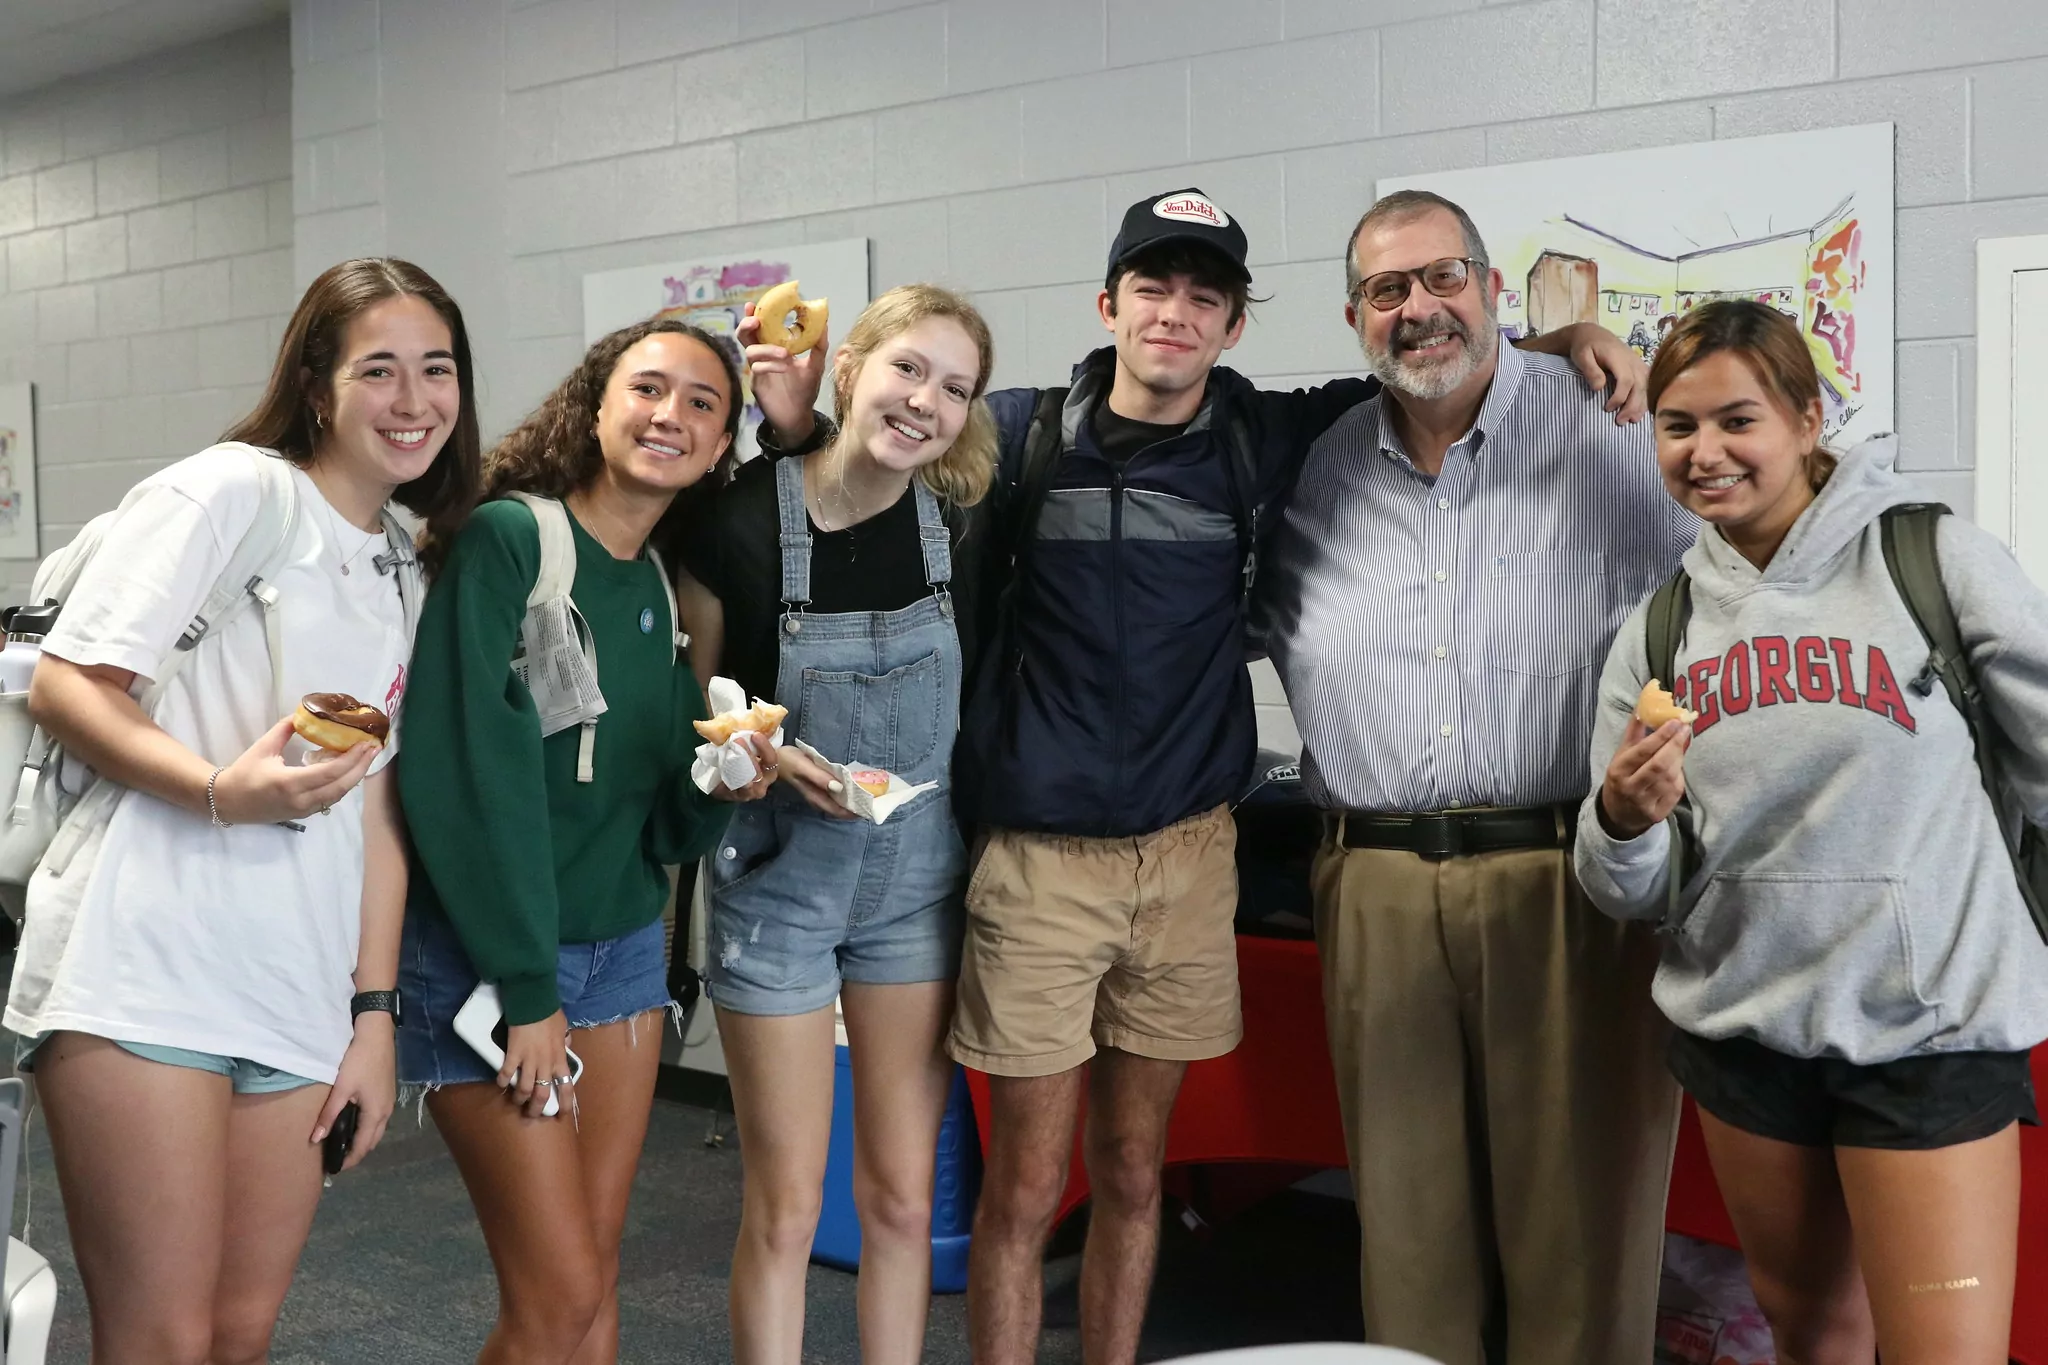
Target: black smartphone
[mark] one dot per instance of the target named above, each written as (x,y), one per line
(340,1138)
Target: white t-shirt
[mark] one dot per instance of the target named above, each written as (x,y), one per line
(165,929)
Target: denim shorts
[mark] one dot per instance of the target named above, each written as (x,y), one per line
(801,902)
(249,1078)
(600,983)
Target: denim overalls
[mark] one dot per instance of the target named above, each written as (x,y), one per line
(799,900)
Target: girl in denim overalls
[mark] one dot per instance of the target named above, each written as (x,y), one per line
(808,904)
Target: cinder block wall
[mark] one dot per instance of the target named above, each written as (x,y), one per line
(145,263)
(511,147)
(991,143)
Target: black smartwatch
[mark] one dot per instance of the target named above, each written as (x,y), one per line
(362,1002)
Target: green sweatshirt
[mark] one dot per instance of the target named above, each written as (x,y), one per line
(519,855)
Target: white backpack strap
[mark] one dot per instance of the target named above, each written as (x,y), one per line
(557,577)
(556,580)
(247,580)
(668,592)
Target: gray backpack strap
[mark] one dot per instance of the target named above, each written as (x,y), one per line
(248,579)
(401,559)
(1908,533)
(1664,623)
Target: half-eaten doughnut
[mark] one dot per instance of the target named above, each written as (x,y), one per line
(764,718)
(338,722)
(1655,706)
(774,308)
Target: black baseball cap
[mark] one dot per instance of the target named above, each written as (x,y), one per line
(1182,216)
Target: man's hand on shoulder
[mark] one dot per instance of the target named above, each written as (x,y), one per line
(1607,363)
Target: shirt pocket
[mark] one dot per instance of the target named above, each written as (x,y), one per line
(1810,960)
(1547,612)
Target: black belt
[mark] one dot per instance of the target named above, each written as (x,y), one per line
(1437,835)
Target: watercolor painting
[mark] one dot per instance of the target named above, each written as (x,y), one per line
(713,294)
(1632,240)
(18,538)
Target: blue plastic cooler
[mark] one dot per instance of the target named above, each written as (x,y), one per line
(957,1182)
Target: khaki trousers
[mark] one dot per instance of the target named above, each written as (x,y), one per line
(1509,1118)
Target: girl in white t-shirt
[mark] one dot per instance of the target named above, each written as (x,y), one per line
(208,983)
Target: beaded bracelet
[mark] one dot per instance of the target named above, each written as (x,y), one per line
(212,809)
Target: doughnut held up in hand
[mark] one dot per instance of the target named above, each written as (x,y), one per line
(774,308)
(338,722)
(1655,706)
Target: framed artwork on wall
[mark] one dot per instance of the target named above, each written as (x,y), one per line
(18,538)
(1632,240)
(713,293)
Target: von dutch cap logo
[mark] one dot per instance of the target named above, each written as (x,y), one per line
(1191,208)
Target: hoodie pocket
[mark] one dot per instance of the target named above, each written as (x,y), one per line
(1549,612)
(1806,960)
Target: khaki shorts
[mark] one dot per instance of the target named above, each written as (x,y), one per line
(1074,944)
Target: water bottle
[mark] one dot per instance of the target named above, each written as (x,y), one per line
(26,627)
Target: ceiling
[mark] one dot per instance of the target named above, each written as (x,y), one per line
(47,40)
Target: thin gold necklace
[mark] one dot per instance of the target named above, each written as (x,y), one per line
(827,514)
(334,520)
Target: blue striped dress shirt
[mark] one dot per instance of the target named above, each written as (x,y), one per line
(1441,639)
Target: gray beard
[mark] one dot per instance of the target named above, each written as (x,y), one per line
(1430,380)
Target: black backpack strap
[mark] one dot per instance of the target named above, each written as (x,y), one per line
(1044,442)
(1908,533)
(1017,528)
(1664,623)
(1242,458)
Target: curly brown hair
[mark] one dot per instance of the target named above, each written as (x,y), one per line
(554,451)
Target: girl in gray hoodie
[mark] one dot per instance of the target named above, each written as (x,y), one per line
(1851,970)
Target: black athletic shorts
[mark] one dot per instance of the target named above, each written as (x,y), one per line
(1913,1104)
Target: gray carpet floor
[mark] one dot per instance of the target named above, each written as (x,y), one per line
(396,1271)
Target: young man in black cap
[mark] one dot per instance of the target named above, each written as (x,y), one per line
(1106,729)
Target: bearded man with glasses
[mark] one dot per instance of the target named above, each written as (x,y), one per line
(1459,553)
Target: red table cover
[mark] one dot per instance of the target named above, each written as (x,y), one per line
(1274,1101)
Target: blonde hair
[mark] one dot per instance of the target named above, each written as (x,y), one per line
(963,474)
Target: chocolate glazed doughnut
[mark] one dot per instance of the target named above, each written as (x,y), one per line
(338,722)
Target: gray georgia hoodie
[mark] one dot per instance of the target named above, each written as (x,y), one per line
(1855,899)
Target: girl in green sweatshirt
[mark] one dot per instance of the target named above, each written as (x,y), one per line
(540,845)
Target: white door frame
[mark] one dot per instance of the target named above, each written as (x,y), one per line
(2000,506)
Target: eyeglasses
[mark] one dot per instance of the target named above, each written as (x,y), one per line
(1389,289)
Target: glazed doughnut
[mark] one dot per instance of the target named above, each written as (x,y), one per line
(777,304)
(1655,706)
(338,722)
(872,782)
(765,718)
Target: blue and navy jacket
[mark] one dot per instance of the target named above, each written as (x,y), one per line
(1111,697)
